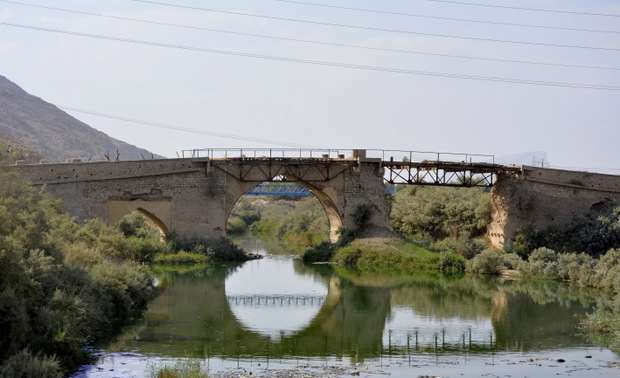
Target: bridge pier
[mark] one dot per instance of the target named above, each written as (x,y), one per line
(546,197)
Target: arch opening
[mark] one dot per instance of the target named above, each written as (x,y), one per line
(158,213)
(242,216)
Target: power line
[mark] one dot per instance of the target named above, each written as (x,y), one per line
(326,63)
(385,30)
(366,10)
(527,9)
(318,42)
(185,129)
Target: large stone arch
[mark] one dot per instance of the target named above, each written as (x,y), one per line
(158,212)
(321,194)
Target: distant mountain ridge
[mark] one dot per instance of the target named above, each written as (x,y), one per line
(39,130)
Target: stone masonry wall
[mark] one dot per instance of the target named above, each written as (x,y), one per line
(546,197)
(200,196)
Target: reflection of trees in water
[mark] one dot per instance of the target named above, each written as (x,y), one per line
(192,315)
(541,315)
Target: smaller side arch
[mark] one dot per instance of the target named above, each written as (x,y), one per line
(158,212)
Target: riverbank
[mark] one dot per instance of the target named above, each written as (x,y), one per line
(579,364)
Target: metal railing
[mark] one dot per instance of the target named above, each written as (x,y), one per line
(384,155)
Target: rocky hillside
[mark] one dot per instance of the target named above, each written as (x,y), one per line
(39,130)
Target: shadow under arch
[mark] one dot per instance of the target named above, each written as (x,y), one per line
(158,212)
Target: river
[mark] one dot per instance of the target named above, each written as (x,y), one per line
(277,313)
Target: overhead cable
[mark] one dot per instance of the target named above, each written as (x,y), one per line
(527,9)
(385,30)
(370,48)
(522,25)
(185,129)
(325,63)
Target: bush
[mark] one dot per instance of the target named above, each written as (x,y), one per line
(24,364)
(181,257)
(145,249)
(464,245)
(320,253)
(218,249)
(511,260)
(450,261)
(62,285)
(348,255)
(608,268)
(576,268)
(488,261)
(438,212)
(189,368)
(541,262)
(236,226)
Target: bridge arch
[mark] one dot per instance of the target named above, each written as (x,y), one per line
(321,194)
(158,212)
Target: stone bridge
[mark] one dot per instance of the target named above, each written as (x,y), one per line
(195,195)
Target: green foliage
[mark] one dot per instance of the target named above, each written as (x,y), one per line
(236,226)
(488,261)
(136,224)
(362,215)
(594,234)
(24,364)
(608,272)
(348,255)
(181,257)
(403,256)
(449,261)
(464,245)
(247,211)
(603,327)
(63,285)
(217,249)
(434,213)
(322,252)
(185,368)
(299,222)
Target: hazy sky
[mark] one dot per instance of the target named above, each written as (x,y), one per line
(479,76)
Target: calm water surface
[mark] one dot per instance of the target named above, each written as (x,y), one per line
(279,313)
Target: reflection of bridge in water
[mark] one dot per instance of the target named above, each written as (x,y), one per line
(198,317)
(276,300)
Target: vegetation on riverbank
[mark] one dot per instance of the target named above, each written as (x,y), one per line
(62,285)
(586,252)
(65,285)
(300,222)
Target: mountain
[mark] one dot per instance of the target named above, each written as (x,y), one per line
(39,130)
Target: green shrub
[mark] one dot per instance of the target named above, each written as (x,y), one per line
(511,260)
(185,368)
(348,255)
(24,364)
(434,213)
(488,261)
(317,254)
(145,249)
(181,257)
(449,261)
(236,226)
(464,245)
(576,267)
(136,224)
(218,249)
(541,262)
